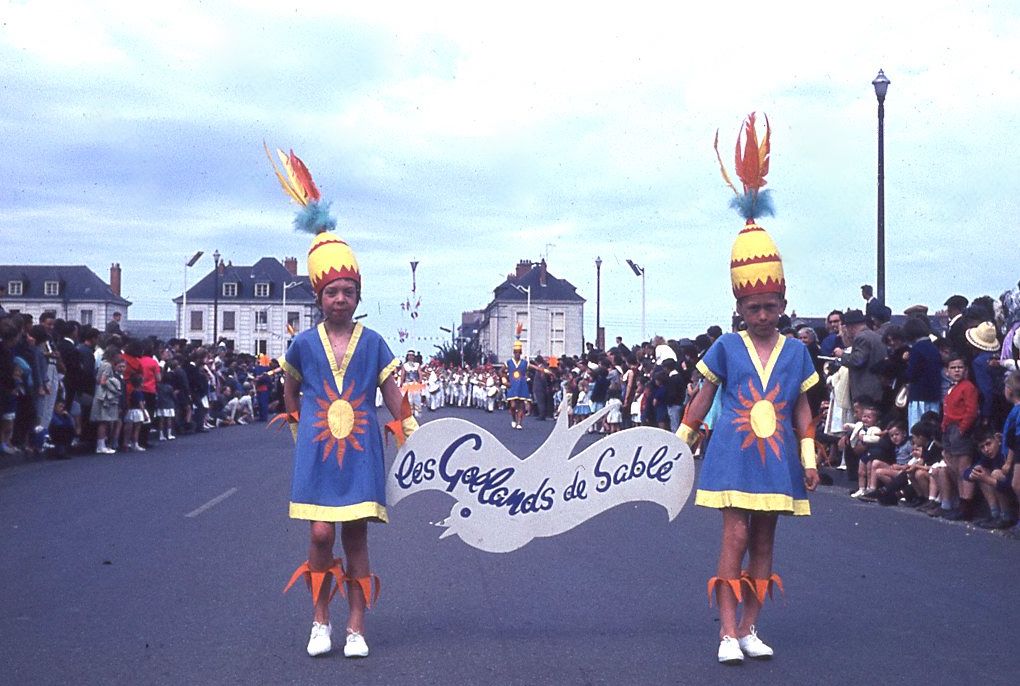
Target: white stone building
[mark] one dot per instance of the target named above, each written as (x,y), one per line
(71,292)
(548,311)
(252,309)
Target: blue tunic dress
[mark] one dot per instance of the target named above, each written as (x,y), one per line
(339,474)
(753,459)
(517,373)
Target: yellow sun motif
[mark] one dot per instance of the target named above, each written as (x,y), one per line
(341,420)
(760,418)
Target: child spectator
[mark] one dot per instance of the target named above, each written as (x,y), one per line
(884,482)
(105,411)
(614,418)
(993,482)
(868,445)
(959,415)
(61,431)
(925,452)
(165,410)
(135,415)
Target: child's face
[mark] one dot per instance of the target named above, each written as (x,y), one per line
(120,367)
(58,407)
(869,417)
(857,411)
(897,436)
(990,447)
(339,300)
(917,441)
(956,370)
(761,313)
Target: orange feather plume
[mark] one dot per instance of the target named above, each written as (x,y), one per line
(752,163)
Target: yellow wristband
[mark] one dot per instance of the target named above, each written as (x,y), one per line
(687,435)
(409,426)
(807,453)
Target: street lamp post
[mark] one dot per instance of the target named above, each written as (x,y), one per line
(286,287)
(184,301)
(527,290)
(640,271)
(881,84)
(600,342)
(216,298)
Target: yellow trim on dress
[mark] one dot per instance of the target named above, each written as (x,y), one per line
(341,369)
(344,513)
(708,373)
(764,373)
(761,502)
(809,382)
(289,368)
(388,370)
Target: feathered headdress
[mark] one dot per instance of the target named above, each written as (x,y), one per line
(755,263)
(329,257)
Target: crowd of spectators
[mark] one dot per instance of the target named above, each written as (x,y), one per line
(67,388)
(918,410)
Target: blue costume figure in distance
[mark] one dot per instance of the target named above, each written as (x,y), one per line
(517,387)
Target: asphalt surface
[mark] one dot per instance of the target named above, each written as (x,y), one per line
(167,568)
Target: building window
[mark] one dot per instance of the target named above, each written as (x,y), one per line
(229,321)
(14,288)
(230,290)
(262,290)
(51,288)
(195,342)
(260,347)
(196,320)
(293,322)
(557,333)
(261,319)
(87,317)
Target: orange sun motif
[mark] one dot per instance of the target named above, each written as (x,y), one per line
(340,419)
(760,418)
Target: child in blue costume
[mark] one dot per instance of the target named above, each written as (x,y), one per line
(761,460)
(517,393)
(332,373)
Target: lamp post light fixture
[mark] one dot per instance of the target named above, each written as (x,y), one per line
(640,271)
(600,335)
(216,298)
(527,291)
(184,302)
(881,84)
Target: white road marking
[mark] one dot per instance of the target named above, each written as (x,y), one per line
(212,503)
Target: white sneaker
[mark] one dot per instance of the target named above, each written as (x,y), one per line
(754,646)
(858,493)
(171,437)
(162,437)
(355,646)
(320,641)
(136,448)
(513,424)
(105,451)
(730,652)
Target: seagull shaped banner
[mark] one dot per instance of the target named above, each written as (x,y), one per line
(502,502)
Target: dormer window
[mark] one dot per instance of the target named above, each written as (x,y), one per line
(230,290)
(51,288)
(262,290)
(14,288)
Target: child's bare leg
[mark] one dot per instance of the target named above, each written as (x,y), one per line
(320,556)
(354,538)
(761,537)
(862,475)
(731,555)
(966,486)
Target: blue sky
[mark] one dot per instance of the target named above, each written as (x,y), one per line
(468,138)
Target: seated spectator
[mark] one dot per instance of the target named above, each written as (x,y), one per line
(869,444)
(993,482)
(883,483)
(61,432)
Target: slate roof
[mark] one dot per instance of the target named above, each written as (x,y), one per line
(267,270)
(78,283)
(555,289)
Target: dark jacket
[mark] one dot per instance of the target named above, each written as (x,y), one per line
(924,372)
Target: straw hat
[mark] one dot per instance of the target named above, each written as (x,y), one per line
(983,337)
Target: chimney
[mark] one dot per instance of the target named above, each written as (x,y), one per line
(115,278)
(221,268)
(523,267)
(290,264)
(541,273)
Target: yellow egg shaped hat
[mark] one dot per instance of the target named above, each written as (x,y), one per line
(755,263)
(329,257)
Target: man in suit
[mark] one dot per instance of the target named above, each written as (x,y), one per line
(955,306)
(866,351)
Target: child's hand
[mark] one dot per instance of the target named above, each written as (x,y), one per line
(811,479)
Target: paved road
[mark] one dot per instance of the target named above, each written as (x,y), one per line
(166,568)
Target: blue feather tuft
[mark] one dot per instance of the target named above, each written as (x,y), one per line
(314,218)
(754,204)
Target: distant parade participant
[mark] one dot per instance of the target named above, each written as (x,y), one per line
(517,393)
(333,372)
(761,460)
(434,387)
(409,379)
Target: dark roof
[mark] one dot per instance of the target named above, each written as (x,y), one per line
(77,283)
(267,270)
(163,330)
(554,288)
